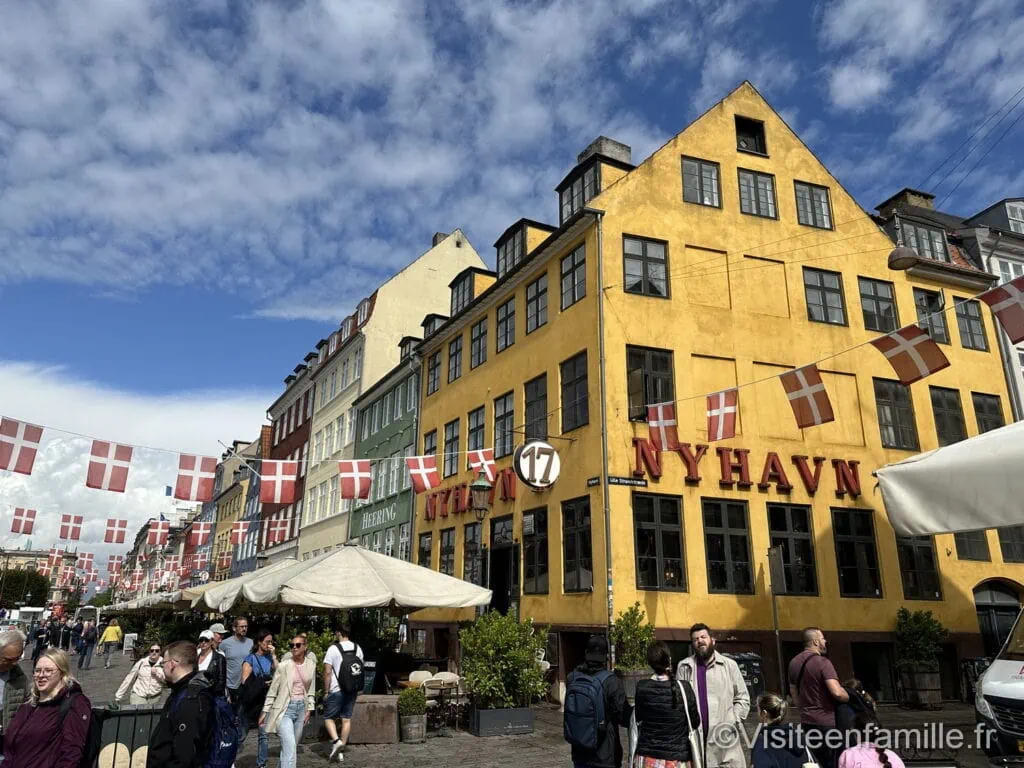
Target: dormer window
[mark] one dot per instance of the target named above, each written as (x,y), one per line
(462,294)
(364,310)
(929,243)
(346,328)
(1015,212)
(578,193)
(333,344)
(406,350)
(510,252)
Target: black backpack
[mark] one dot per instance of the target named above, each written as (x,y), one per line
(584,721)
(93,739)
(350,678)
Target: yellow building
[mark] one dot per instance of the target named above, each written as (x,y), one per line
(230,506)
(729,256)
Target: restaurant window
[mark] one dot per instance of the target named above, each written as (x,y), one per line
(577,562)
(504,414)
(645,266)
(700,182)
(757,194)
(658,528)
(949,416)
(988,412)
(972,545)
(878,304)
(446,561)
(929,243)
(824,293)
(537,408)
(455,358)
(475,429)
(451,448)
(578,193)
(510,252)
(434,372)
(575,406)
(930,316)
(574,277)
(1011,542)
(535,551)
(972,329)
(423,555)
(918,568)
(478,343)
(896,422)
(472,555)
(727,544)
(430,443)
(537,303)
(812,205)
(649,379)
(856,555)
(789,526)
(506,326)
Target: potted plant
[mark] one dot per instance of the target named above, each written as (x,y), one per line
(632,633)
(918,639)
(412,715)
(501,673)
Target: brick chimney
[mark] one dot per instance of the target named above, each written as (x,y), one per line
(602,145)
(905,197)
(438,237)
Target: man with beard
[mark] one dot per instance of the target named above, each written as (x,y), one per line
(721,695)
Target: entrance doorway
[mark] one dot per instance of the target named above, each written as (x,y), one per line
(503,575)
(998,605)
(873,666)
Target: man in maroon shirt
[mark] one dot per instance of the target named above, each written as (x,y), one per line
(814,686)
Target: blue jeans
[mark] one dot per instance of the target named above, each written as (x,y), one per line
(85,655)
(263,743)
(289,731)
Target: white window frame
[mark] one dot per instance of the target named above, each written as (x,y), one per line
(328,439)
(389,542)
(375,418)
(413,397)
(344,373)
(1015,214)
(404,540)
(318,448)
(364,309)
(357,372)
(378,538)
(398,403)
(339,432)
(385,417)
(351,432)
(334,383)
(333,508)
(395,462)
(332,345)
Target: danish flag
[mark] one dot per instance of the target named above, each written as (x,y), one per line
(158,532)
(171,563)
(24,521)
(199,562)
(116,530)
(807,396)
(277,483)
(108,466)
(55,556)
(483,460)
(1006,300)
(45,570)
(277,530)
(85,561)
(239,531)
(200,534)
(355,479)
(18,445)
(224,560)
(195,478)
(114,563)
(70,527)
(661,418)
(912,353)
(423,470)
(722,409)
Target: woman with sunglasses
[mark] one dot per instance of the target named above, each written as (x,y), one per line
(40,734)
(145,682)
(290,700)
(212,662)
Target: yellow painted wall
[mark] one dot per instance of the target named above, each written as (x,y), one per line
(737,314)
(229,510)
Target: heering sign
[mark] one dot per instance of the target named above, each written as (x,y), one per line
(734,468)
(378,517)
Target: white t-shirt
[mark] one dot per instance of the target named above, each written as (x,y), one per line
(205,663)
(333,657)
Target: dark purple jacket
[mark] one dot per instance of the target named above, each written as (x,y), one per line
(36,737)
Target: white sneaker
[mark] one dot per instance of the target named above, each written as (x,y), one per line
(337,751)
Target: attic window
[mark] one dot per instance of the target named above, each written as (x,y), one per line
(333,344)
(510,252)
(578,193)
(1015,211)
(462,294)
(364,310)
(750,136)
(929,243)
(406,350)
(346,328)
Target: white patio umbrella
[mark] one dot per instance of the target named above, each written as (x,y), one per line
(353,577)
(213,594)
(974,484)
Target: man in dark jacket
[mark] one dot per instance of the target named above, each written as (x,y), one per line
(181,738)
(617,711)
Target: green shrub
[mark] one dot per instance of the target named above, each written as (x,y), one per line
(632,634)
(919,636)
(412,702)
(499,661)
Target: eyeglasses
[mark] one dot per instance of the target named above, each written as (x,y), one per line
(154,650)
(44,672)
(298,645)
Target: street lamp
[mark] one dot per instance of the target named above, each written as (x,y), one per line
(480,489)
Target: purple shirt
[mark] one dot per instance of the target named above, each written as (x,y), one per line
(702,692)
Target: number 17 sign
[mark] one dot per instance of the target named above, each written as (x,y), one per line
(537,464)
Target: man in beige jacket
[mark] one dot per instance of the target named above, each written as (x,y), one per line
(722,697)
(145,682)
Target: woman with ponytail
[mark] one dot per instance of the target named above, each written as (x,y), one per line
(778,744)
(865,754)
(667,717)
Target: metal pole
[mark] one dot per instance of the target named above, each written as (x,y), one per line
(283,612)
(777,552)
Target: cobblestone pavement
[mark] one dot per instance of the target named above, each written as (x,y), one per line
(542,749)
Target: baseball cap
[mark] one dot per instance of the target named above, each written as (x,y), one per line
(206,635)
(219,628)
(597,648)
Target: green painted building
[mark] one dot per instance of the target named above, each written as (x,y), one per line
(387,428)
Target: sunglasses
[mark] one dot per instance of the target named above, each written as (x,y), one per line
(205,640)
(154,650)
(298,645)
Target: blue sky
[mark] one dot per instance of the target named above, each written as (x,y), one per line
(191,194)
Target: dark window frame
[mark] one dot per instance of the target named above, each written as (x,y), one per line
(574,528)
(504,424)
(511,251)
(756,200)
(972,546)
(536,423)
(990,416)
(649,379)
(1011,543)
(700,181)
(970,323)
(573,271)
(879,301)
(505,325)
(754,128)
(935,323)
(728,532)
(944,414)
(476,432)
(575,412)
(462,294)
(478,343)
(537,303)
(860,542)
(888,393)
(450,463)
(660,529)
(430,443)
(911,230)
(446,552)
(824,291)
(578,191)
(427,538)
(788,538)
(434,372)
(914,570)
(534,545)
(473,556)
(646,262)
(455,358)
(814,211)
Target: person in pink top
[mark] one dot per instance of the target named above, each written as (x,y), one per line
(865,754)
(290,699)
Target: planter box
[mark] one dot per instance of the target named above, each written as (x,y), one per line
(375,720)
(501,722)
(922,690)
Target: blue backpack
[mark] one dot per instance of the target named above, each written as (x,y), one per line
(224,736)
(584,719)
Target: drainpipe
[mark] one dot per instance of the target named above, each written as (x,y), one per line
(604,434)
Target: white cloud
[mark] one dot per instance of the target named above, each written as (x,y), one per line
(725,67)
(902,31)
(856,86)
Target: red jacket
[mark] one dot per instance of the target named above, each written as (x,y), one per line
(37,737)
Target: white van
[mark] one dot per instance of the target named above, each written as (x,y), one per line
(999,699)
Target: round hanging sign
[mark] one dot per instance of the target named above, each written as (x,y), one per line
(537,464)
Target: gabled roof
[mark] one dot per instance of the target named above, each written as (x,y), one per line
(996,204)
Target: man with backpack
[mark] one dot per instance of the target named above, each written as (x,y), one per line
(595,707)
(343,680)
(188,733)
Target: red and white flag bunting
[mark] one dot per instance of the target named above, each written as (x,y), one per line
(158,532)
(423,471)
(195,478)
(661,419)
(200,534)
(807,396)
(19,443)
(1007,302)
(277,481)
(224,560)
(45,570)
(171,563)
(114,563)
(200,562)
(722,408)
(70,527)
(483,460)
(277,530)
(239,530)
(85,561)
(56,555)
(24,521)
(116,531)
(108,466)
(911,353)
(354,478)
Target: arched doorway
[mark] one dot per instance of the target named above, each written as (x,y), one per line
(997,604)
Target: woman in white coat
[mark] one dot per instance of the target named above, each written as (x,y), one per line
(290,700)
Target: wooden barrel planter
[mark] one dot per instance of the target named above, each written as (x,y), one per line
(921,690)
(414,729)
